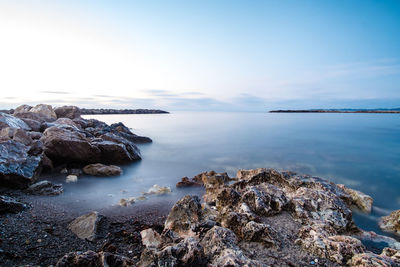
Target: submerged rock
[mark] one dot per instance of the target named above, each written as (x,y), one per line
(99,169)
(17,167)
(8,204)
(45,188)
(87,226)
(391,223)
(157,190)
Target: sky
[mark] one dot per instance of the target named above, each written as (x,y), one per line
(214,55)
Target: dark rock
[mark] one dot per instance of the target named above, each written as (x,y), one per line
(76,172)
(65,145)
(33,124)
(34,135)
(186,182)
(112,152)
(17,167)
(129,146)
(126,133)
(16,134)
(70,112)
(99,169)
(87,226)
(8,204)
(7,120)
(45,188)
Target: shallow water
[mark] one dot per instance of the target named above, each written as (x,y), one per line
(361,151)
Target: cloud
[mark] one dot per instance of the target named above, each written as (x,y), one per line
(56,92)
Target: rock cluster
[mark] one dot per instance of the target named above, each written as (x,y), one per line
(36,138)
(264,218)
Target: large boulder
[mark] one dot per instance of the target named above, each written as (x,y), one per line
(87,226)
(65,145)
(33,124)
(70,112)
(22,109)
(112,152)
(18,168)
(7,120)
(99,169)
(44,111)
(123,131)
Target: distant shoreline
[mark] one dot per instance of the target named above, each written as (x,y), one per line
(335,111)
(101,111)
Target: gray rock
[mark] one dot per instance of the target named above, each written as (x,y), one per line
(8,204)
(99,169)
(33,124)
(7,120)
(17,167)
(391,223)
(44,111)
(16,134)
(70,112)
(87,226)
(45,188)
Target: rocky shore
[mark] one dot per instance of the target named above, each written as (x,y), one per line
(260,217)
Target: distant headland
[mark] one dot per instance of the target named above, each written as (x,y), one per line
(395,110)
(104,111)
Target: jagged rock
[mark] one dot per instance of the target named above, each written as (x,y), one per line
(7,120)
(70,112)
(126,133)
(388,258)
(17,167)
(87,226)
(186,182)
(99,169)
(45,188)
(257,232)
(150,238)
(65,145)
(93,259)
(132,149)
(359,199)
(247,174)
(44,111)
(391,223)
(321,240)
(8,204)
(184,215)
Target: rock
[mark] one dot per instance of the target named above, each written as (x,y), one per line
(150,238)
(7,120)
(186,182)
(126,133)
(70,112)
(93,259)
(33,116)
(33,124)
(34,135)
(112,152)
(359,199)
(71,178)
(22,109)
(87,226)
(45,188)
(257,232)
(99,169)
(247,174)
(17,167)
(44,111)
(16,134)
(391,223)
(65,121)
(132,149)
(76,172)
(184,215)
(158,190)
(8,204)
(370,259)
(65,145)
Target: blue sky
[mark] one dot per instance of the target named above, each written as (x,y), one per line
(201,55)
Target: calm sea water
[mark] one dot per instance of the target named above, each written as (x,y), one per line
(361,151)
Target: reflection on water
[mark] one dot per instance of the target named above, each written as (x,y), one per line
(359,150)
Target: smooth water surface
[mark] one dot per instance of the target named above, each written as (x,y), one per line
(361,151)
